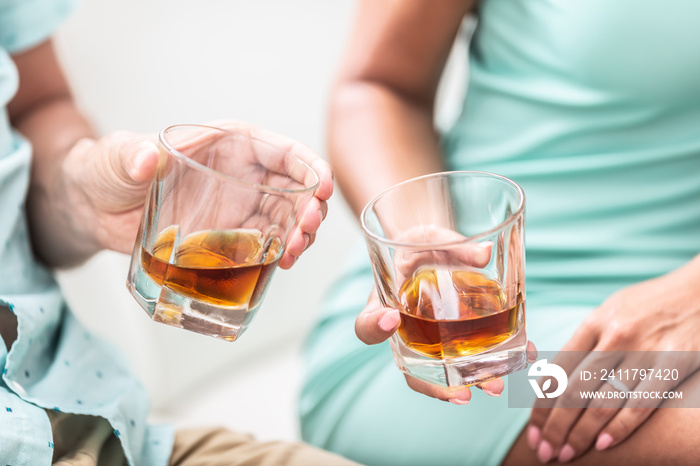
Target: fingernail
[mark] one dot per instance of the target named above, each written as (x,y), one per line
(545,452)
(389,320)
(484,253)
(490,393)
(533,437)
(604,441)
(566,454)
(458,401)
(320,216)
(138,162)
(307,240)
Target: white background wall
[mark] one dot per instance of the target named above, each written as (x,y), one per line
(141,65)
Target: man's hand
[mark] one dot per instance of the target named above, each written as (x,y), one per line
(106,182)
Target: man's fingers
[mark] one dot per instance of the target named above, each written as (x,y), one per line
(136,157)
(325,175)
(313,214)
(144,162)
(297,243)
(304,153)
(304,234)
(287,261)
(292,147)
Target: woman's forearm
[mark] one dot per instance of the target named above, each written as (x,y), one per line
(381,120)
(378,138)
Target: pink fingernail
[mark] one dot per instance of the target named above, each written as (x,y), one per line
(533,437)
(490,393)
(604,441)
(566,454)
(484,251)
(545,452)
(458,401)
(320,216)
(307,240)
(389,321)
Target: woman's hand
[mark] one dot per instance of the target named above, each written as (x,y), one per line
(376,323)
(658,315)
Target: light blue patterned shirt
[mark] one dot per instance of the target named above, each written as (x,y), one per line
(54,362)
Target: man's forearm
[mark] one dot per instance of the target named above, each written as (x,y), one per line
(44,112)
(54,129)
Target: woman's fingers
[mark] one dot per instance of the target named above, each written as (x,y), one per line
(457,395)
(461,255)
(551,419)
(621,426)
(493,387)
(376,323)
(531,351)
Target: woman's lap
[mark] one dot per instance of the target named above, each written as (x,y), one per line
(355,402)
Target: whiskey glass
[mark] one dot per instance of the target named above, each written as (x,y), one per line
(214,227)
(447,252)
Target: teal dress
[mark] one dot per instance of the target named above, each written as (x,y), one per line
(54,364)
(593,107)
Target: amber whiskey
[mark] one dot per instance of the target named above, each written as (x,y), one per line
(451,313)
(221,267)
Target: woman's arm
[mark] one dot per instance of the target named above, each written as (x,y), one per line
(381,117)
(381,126)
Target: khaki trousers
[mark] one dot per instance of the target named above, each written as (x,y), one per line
(88,441)
(219,447)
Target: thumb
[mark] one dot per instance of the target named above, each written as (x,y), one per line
(117,170)
(376,323)
(139,159)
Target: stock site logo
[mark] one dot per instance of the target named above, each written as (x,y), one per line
(544,369)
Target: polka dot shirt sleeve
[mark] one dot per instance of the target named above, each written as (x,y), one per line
(26,23)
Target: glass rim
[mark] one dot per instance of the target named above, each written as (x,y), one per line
(467,239)
(232,179)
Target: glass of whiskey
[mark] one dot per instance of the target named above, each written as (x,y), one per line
(214,227)
(447,252)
